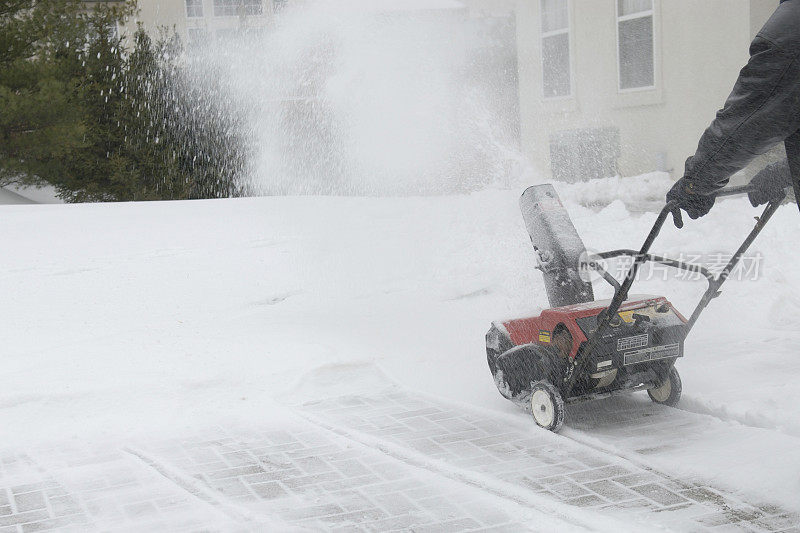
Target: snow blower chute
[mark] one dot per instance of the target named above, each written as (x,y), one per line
(581,348)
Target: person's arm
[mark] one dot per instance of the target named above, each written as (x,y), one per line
(762,110)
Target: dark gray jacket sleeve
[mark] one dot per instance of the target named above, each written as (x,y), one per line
(762,110)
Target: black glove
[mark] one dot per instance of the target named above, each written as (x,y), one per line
(685,196)
(770,183)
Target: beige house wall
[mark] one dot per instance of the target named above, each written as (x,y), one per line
(700,46)
(154,14)
(489,8)
(173,14)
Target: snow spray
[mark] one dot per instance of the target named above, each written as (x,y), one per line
(375,98)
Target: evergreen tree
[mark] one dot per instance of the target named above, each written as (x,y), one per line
(101,124)
(86,173)
(38,119)
(187,142)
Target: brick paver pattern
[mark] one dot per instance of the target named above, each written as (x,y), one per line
(391,461)
(470,440)
(297,476)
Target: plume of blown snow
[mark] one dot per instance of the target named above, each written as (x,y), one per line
(402,98)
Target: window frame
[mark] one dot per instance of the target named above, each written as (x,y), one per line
(568,31)
(202,10)
(260,13)
(622,18)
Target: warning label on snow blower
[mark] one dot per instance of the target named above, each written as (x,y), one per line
(629,343)
(651,354)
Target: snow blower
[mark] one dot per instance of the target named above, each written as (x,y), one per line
(582,348)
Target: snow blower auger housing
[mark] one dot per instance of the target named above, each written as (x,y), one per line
(583,349)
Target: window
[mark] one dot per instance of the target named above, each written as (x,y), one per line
(556,73)
(194,8)
(635,44)
(230,8)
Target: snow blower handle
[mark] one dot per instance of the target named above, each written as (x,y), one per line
(621,294)
(731,191)
(621,290)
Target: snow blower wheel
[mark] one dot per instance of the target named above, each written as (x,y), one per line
(547,406)
(669,392)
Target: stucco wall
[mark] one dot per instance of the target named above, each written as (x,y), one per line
(169,13)
(153,14)
(489,8)
(700,47)
(172,13)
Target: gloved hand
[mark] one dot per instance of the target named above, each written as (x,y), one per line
(770,183)
(685,196)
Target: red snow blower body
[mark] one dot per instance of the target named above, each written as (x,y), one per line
(582,348)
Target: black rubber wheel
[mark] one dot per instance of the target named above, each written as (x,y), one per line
(547,406)
(669,392)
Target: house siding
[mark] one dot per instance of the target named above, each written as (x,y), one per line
(700,47)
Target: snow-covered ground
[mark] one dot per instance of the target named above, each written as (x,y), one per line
(141,323)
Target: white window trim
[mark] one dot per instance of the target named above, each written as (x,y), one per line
(194,17)
(542,36)
(236,15)
(633,16)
